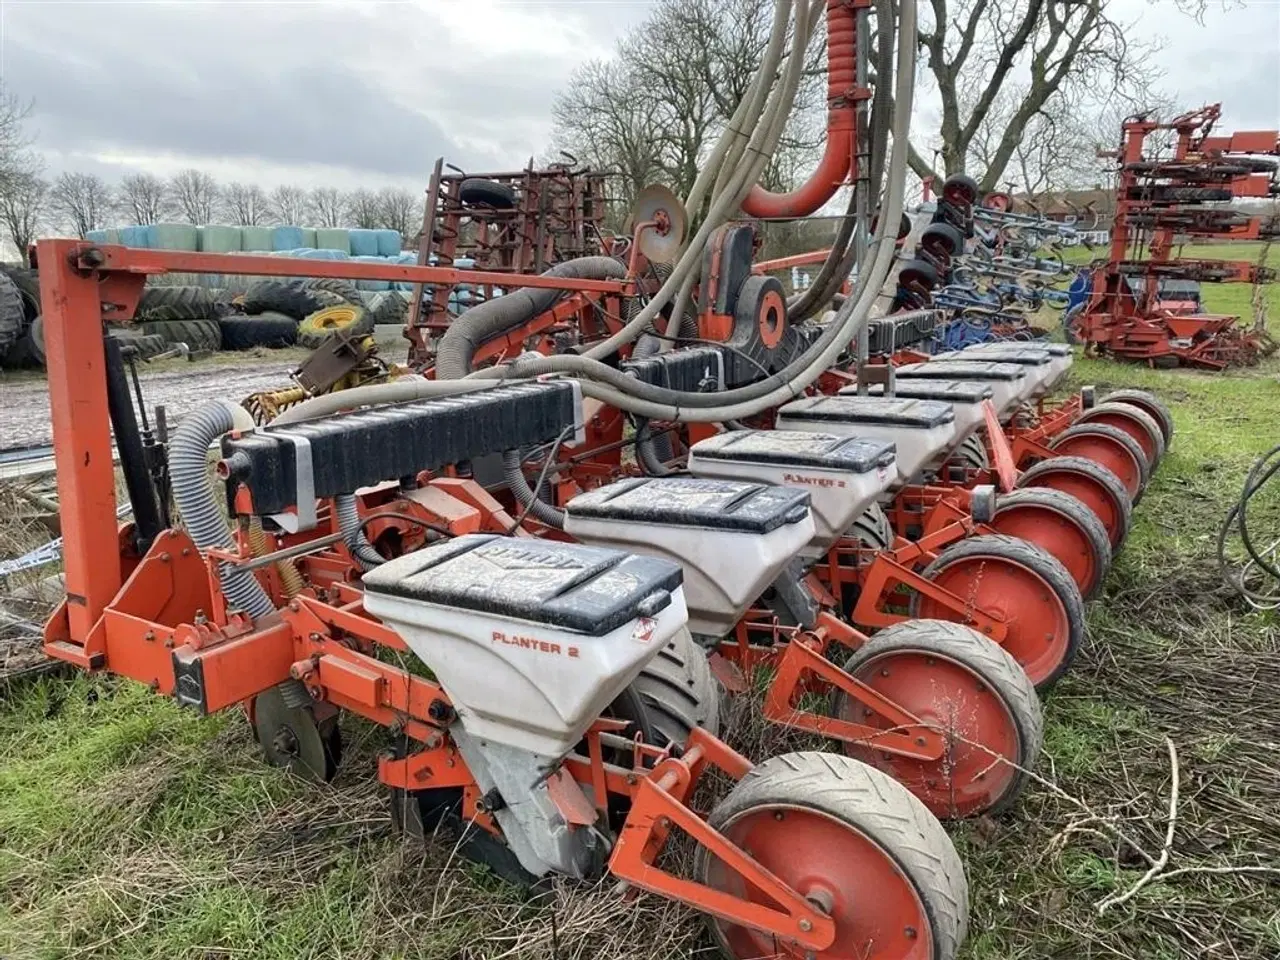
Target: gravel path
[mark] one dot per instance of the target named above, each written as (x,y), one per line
(24,405)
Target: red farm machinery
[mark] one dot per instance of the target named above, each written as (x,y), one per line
(610,490)
(1143,303)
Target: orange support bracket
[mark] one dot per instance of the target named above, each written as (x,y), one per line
(908,737)
(1006,471)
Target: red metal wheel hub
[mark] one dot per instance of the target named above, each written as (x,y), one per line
(1093,495)
(1059,536)
(1106,452)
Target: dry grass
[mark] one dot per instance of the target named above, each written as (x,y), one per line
(130,829)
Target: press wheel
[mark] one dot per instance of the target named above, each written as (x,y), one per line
(1092,484)
(1062,526)
(1110,447)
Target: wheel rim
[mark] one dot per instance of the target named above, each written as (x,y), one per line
(1036,621)
(1134,429)
(1059,535)
(878,913)
(1106,452)
(978,728)
(1151,408)
(1093,495)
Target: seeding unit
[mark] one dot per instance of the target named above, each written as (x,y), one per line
(1127,311)
(583,552)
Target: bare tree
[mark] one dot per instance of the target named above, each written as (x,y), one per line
(1004,69)
(17,161)
(143,198)
(22,211)
(363,209)
(328,206)
(246,204)
(400,210)
(195,195)
(83,199)
(289,204)
(652,111)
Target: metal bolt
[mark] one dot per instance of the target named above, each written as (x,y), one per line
(778,815)
(294,606)
(186,551)
(884,672)
(920,741)
(165,558)
(168,643)
(149,636)
(805,925)
(910,932)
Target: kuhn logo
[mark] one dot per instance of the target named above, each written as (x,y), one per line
(534,644)
(812,481)
(643,632)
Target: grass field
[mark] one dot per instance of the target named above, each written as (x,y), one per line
(131,829)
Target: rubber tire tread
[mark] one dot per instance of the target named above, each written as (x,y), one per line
(1069,506)
(1107,430)
(1044,564)
(393,308)
(478,191)
(339,287)
(196,334)
(145,346)
(258,330)
(1098,471)
(29,350)
(1148,422)
(878,807)
(679,691)
(293,298)
(311,338)
(988,660)
(174,303)
(1163,416)
(973,453)
(28,283)
(872,528)
(13,314)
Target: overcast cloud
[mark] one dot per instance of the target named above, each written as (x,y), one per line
(370,93)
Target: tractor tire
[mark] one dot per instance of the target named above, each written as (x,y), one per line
(28,283)
(29,350)
(13,315)
(339,287)
(973,453)
(260,330)
(919,272)
(1092,484)
(1110,447)
(390,308)
(174,303)
(141,346)
(941,240)
(1148,403)
(944,670)
(318,327)
(679,691)
(822,817)
(1063,527)
(1070,324)
(960,189)
(196,334)
(293,298)
(1045,650)
(479,192)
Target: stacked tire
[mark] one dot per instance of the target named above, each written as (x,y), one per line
(284,312)
(19,311)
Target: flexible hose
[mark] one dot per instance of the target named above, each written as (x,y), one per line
(526,495)
(495,317)
(353,532)
(658,403)
(189,473)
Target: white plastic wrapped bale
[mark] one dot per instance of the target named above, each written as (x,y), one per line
(922,430)
(843,475)
(531,639)
(1009,382)
(732,539)
(965,396)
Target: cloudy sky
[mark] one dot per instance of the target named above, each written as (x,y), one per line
(370,92)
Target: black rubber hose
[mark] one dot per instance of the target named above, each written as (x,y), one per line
(495,317)
(133,458)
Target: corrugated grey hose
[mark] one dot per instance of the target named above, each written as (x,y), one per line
(353,534)
(494,317)
(189,470)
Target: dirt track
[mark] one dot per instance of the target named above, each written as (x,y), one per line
(24,404)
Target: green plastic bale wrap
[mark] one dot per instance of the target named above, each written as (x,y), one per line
(308,237)
(97,236)
(174,236)
(373,284)
(388,243)
(215,238)
(255,239)
(134,236)
(364,243)
(333,238)
(113,235)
